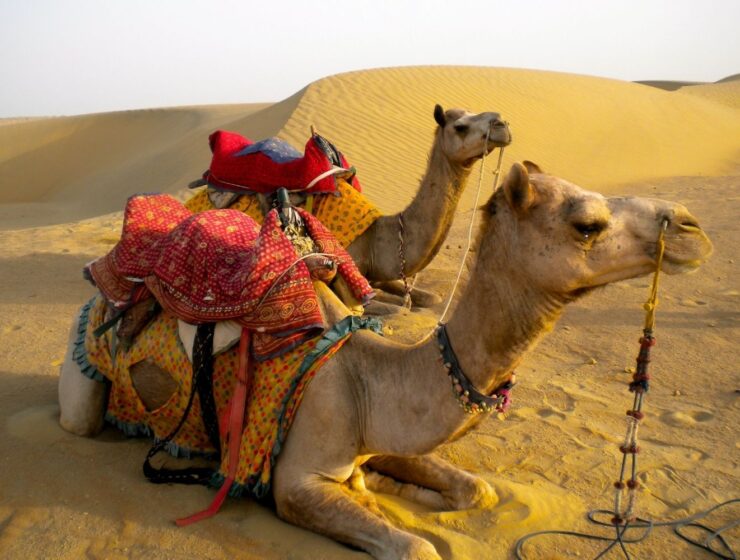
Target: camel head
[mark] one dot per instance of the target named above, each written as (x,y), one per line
(565,241)
(462,135)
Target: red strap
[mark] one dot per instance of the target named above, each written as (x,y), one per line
(236,422)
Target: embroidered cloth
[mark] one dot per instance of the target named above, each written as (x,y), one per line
(277,389)
(347,215)
(220,265)
(147,219)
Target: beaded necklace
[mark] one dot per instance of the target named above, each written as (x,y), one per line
(471,399)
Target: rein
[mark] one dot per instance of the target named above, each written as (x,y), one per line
(408,286)
(472,223)
(639,386)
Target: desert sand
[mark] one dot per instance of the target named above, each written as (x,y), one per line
(63,183)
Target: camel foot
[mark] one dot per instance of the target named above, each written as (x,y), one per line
(387,297)
(378,309)
(418,549)
(471,493)
(457,489)
(386,485)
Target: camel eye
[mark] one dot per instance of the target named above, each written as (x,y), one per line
(590,229)
(462,128)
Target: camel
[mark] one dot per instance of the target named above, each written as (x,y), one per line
(461,139)
(380,408)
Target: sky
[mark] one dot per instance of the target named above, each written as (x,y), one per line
(67,57)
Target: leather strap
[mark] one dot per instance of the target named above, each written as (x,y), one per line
(236,424)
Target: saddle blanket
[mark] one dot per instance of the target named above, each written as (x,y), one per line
(221,265)
(276,391)
(346,214)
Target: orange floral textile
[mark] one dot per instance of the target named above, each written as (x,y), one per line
(347,216)
(276,392)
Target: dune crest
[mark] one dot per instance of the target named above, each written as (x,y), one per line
(595,131)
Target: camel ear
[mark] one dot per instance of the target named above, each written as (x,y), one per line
(518,191)
(532,167)
(439,115)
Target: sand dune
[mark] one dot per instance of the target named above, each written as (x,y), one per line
(62,185)
(725,92)
(597,132)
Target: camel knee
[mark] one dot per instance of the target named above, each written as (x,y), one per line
(81,403)
(81,399)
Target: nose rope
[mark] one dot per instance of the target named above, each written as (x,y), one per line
(652,301)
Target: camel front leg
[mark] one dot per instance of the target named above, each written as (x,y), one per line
(460,489)
(81,399)
(321,505)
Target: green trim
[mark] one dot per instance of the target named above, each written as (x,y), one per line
(80,353)
(142,430)
(254,486)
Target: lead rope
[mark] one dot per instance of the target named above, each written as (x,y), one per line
(408,286)
(623,516)
(472,223)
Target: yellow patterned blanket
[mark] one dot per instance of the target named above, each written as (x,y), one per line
(276,391)
(347,216)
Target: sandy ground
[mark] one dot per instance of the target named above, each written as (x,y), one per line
(62,186)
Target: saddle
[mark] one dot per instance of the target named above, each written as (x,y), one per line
(241,166)
(220,265)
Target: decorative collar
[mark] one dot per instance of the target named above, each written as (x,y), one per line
(471,399)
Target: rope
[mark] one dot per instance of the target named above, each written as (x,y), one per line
(678,525)
(622,516)
(472,222)
(284,272)
(402,258)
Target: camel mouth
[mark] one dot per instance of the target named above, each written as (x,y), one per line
(673,264)
(688,250)
(499,139)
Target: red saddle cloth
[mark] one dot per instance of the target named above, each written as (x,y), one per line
(219,265)
(147,220)
(240,165)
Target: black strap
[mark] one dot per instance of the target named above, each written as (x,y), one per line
(202,376)
(203,380)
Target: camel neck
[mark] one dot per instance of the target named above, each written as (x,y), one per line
(428,218)
(498,318)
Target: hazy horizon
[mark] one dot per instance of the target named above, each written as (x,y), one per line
(81,56)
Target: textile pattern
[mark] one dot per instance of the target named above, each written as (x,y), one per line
(347,215)
(277,389)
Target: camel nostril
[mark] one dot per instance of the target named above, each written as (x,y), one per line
(689,225)
(498,124)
